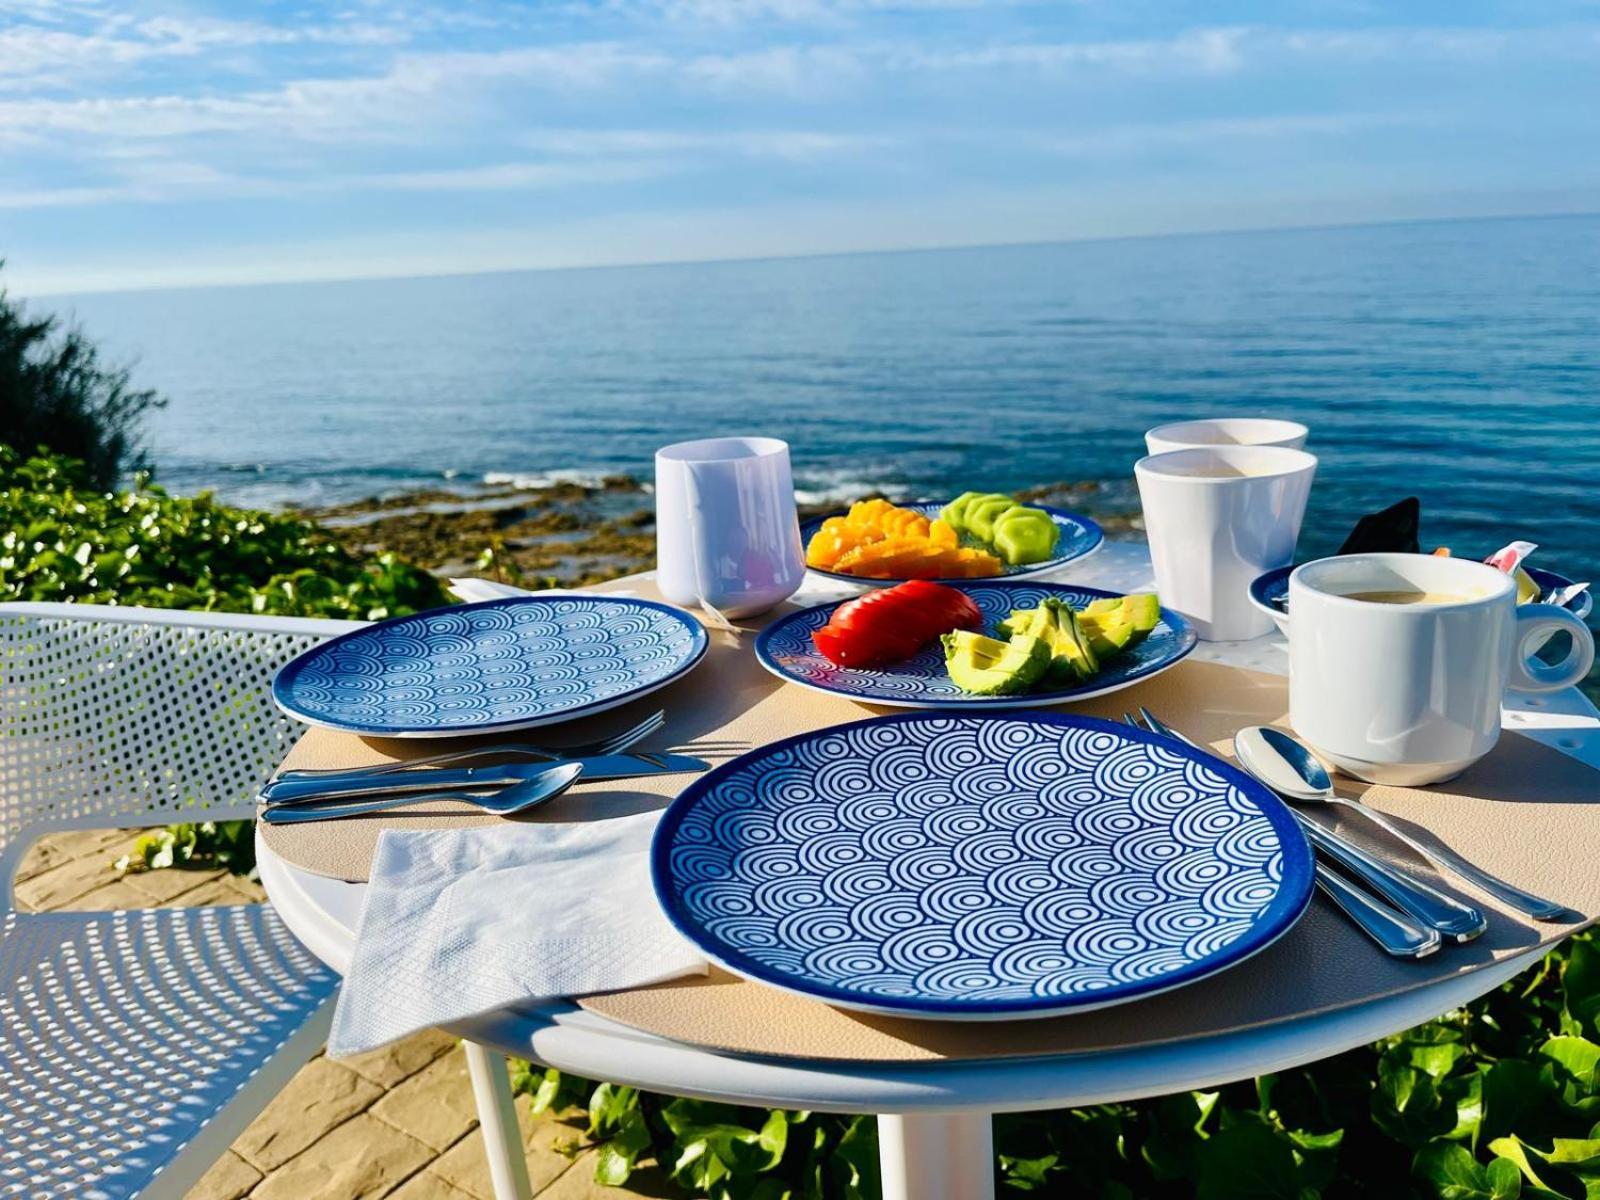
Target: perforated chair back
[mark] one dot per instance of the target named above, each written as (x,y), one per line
(135,1045)
(123,717)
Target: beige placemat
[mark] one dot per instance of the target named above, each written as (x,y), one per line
(1528,812)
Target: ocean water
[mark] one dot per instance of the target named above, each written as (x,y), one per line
(1457,361)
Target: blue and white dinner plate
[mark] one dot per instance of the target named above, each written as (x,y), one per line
(500,665)
(1075,537)
(979,867)
(785,648)
(1270,593)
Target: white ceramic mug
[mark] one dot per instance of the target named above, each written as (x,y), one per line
(1410,693)
(726,531)
(1215,519)
(1225,431)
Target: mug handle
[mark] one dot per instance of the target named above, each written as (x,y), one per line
(1536,623)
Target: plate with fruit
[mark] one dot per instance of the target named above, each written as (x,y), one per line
(978,535)
(980,645)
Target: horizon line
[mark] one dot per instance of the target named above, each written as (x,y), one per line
(377,277)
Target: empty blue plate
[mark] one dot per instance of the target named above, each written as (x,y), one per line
(979,867)
(1075,537)
(499,665)
(785,648)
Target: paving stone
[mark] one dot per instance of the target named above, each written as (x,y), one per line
(321,1097)
(400,1060)
(109,897)
(229,1178)
(88,843)
(464,1165)
(435,1105)
(428,1186)
(362,1159)
(42,856)
(165,886)
(577,1183)
(248,889)
(212,891)
(60,886)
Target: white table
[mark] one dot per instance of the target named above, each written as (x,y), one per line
(934,1119)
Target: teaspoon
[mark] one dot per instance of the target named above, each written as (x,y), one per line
(1291,770)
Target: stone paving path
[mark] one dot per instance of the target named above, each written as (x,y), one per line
(398,1122)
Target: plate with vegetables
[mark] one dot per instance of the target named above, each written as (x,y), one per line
(984,645)
(978,535)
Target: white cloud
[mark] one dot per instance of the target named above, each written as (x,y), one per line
(794,145)
(1118,139)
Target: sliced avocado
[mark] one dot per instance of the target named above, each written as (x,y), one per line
(981,513)
(1069,645)
(1142,610)
(1016,622)
(1109,633)
(984,666)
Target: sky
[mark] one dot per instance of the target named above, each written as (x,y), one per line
(183,144)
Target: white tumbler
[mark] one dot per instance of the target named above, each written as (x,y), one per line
(1216,518)
(727,537)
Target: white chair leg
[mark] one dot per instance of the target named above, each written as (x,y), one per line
(497,1114)
(936,1156)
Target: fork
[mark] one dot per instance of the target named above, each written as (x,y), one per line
(616,743)
(1394,930)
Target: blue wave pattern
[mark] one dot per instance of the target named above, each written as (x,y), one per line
(1075,537)
(786,648)
(974,864)
(492,664)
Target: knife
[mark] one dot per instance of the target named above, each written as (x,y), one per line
(601,767)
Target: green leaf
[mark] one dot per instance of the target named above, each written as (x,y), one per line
(1249,1161)
(1580,988)
(1027,1174)
(1512,1089)
(616,1158)
(1579,1059)
(1453,1174)
(1406,1104)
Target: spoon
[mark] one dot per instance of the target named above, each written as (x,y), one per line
(1286,766)
(508,801)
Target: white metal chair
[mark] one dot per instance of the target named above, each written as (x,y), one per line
(136,1045)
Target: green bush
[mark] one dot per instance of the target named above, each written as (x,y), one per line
(64,538)
(1498,1100)
(57,393)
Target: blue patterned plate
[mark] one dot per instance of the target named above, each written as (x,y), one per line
(1075,537)
(979,867)
(785,648)
(499,665)
(1270,593)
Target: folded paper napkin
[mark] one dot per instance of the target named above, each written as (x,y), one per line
(462,922)
(474,590)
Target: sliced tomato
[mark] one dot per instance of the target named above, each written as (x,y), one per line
(892,624)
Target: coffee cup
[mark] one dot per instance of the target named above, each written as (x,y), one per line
(1399,663)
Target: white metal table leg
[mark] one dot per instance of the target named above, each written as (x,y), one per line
(936,1156)
(497,1114)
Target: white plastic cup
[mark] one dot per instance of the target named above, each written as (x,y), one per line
(727,535)
(1216,518)
(1225,431)
(1409,694)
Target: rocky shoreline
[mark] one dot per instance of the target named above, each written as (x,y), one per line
(566,534)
